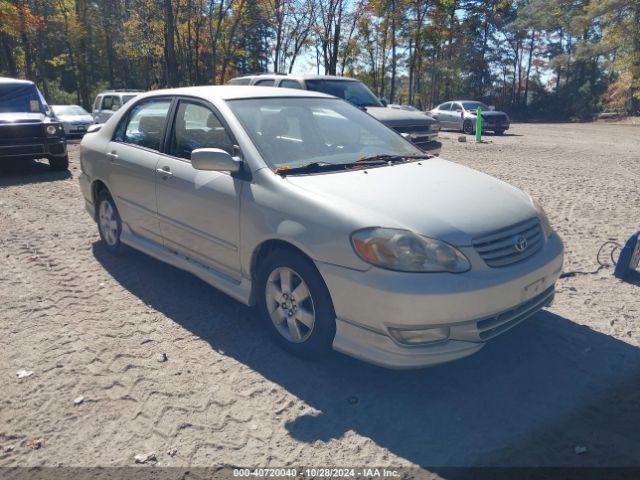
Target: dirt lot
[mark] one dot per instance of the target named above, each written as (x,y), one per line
(561,389)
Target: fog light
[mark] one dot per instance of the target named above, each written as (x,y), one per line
(420,337)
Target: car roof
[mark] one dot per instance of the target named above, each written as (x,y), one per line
(15,80)
(231,92)
(306,76)
(121,92)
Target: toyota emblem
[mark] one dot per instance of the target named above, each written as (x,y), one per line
(520,243)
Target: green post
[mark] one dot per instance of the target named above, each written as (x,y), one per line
(479,125)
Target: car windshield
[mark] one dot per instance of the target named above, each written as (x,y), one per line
(294,132)
(20,98)
(352,91)
(474,106)
(69,110)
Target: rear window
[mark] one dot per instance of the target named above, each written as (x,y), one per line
(20,98)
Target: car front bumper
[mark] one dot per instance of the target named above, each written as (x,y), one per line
(476,306)
(29,149)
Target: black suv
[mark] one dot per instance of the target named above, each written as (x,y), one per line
(417,127)
(27,129)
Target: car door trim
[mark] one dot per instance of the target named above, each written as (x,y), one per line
(199,233)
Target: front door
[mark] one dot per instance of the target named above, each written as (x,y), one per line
(442,115)
(134,154)
(199,210)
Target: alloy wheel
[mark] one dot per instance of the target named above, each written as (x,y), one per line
(290,305)
(108,223)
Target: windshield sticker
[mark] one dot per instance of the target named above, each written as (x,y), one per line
(34,105)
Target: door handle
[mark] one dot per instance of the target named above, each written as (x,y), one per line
(113,156)
(165,172)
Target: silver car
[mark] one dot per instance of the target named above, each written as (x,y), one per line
(343,233)
(461,115)
(75,119)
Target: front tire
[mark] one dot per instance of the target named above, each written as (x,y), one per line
(499,132)
(295,304)
(467,127)
(59,164)
(109,223)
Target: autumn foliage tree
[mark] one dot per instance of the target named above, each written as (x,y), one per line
(543,58)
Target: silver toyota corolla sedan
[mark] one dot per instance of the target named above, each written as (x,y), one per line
(344,234)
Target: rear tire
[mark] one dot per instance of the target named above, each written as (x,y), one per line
(295,304)
(109,223)
(467,127)
(59,164)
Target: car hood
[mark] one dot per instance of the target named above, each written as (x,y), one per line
(76,118)
(21,117)
(436,198)
(397,118)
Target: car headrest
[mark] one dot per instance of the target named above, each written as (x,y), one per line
(274,125)
(151,124)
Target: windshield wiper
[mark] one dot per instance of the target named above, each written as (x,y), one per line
(394,158)
(316,167)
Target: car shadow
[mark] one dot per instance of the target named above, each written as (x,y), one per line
(529,398)
(22,173)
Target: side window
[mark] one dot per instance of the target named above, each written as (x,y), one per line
(107,102)
(267,82)
(196,126)
(456,107)
(445,106)
(290,84)
(240,81)
(116,104)
(96,104)
(144,124)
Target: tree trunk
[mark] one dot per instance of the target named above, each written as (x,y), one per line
(526,83)
(171,65)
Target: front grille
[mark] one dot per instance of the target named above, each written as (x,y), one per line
(424,128)
(499,249)
(21,131)
(18,150)
(498,324)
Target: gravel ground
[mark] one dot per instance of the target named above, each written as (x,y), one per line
(130,356)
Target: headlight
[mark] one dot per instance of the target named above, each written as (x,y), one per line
(544,220)
(52,130)
(405,251)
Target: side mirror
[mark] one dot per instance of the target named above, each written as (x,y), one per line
(384,102)
(94,128)
(214,160)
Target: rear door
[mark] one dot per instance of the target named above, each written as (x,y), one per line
(134,153)
(199,210)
